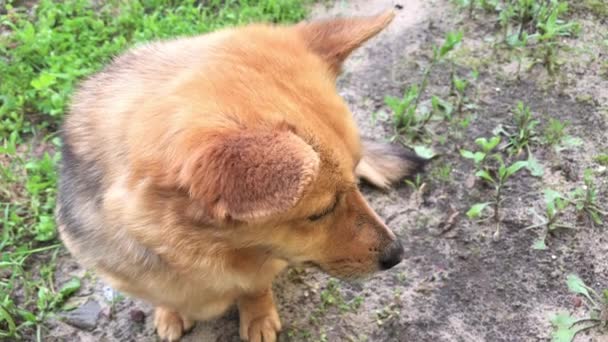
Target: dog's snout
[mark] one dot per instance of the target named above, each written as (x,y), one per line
(392,255)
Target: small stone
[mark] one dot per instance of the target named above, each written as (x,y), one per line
(107,312)
(84,317)
(469,181)
(109,294)
(496,236)
(137,316)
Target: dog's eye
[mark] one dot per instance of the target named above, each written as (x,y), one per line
(325,212)
(317,217)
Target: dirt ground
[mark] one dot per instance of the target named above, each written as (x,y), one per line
(456,283)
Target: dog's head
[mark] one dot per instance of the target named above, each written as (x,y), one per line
(283,178)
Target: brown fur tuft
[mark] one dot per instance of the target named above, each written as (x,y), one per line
(384,164)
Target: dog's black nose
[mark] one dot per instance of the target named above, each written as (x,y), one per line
(392,255)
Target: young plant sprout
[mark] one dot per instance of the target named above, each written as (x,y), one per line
(555,204)
(496,176)
(566,327)
(531,27)
(407,117)
(525,129)
(585,200)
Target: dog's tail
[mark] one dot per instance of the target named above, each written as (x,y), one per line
(383,164)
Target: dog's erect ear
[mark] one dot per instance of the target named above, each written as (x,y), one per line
(335,39)
(244,174)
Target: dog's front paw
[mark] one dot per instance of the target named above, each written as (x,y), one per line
(259,319)
(263,329)
(170,325)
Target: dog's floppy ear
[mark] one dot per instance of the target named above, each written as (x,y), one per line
(244,174)
(334,39)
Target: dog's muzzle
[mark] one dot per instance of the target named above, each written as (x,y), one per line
(392,255)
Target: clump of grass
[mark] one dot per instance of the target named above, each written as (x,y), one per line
(42,56)
(40,61)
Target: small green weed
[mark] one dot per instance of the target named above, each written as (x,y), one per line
(417,183)
(523,134)
(550,29)
(491,168)
(555,135)
(465,122)
(487,147)
(441,107)
(601,159)
(499,180)
(566,327)
(389,312)
(331,297)
(530,25)
(584,202)
(555,204)
(443,173)
(408,119)
(458,89)
(555,132)
(525,129)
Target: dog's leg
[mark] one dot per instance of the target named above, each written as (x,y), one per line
(171,325)
(259,319)
(384,164)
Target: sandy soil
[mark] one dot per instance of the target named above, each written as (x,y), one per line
(456,284)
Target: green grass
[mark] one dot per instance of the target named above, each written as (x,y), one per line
(601,159)
(42,57)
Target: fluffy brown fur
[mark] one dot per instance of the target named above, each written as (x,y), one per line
(195,170)
(385,164)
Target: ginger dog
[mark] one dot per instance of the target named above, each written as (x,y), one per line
(196,169)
